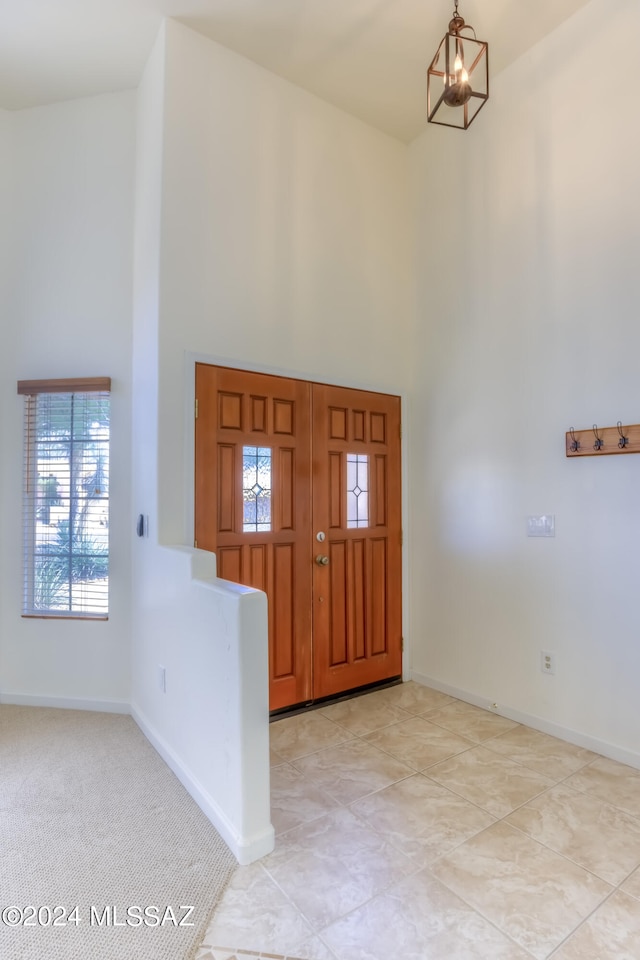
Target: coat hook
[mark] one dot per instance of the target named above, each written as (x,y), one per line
(623,441)
(599,444)
(575,443)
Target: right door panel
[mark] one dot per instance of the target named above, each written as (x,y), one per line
(356,504)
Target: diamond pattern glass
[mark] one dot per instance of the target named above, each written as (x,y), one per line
(357,490)
(256,489)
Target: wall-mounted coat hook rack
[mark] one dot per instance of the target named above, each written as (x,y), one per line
(618,439)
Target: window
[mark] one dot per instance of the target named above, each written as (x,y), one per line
(357,490)
(66,498)
(256,489)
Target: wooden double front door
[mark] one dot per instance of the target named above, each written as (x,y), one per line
(297,492)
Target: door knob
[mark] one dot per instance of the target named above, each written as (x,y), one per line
(322,561)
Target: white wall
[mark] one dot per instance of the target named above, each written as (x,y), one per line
(271,229)
(209,719)
(527,233)
(7,387)
(285,240)
(68,313)
(211,722)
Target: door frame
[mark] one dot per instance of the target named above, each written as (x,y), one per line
(190,360)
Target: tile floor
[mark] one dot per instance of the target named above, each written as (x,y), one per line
(412,825)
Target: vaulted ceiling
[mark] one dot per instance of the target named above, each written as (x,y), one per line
(368,57)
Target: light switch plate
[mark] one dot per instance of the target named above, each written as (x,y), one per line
(543,525)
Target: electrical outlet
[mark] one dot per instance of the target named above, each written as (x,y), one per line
(547,662)
(162,679)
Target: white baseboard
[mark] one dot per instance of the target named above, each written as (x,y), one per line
(65,703)
(245,849)
(610,750)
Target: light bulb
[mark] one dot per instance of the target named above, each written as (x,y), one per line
(457,87)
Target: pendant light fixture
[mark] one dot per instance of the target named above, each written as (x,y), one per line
(458,77)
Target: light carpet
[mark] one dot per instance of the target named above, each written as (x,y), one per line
(91,817)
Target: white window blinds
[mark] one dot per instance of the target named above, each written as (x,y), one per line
(66,497)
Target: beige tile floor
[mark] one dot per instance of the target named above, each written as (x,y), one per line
(411,825)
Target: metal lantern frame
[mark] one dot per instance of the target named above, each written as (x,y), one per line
(452,99)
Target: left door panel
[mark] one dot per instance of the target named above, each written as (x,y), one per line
(253,451)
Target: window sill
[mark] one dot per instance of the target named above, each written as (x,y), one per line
(64,616)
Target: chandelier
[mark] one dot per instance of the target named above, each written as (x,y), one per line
(458,77)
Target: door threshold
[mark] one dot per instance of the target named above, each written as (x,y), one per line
(308,705)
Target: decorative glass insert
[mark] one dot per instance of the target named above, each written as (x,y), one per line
(357,490)
(256,489)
